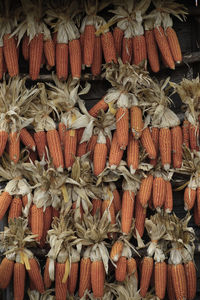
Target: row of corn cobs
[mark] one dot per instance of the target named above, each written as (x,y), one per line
(69,199)
(74,33)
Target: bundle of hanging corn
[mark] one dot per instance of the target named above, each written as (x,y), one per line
(65,97)
(159,33)
(9,50)
(15,101)
(37,43)
(63,258)
(17,242)
(188,90)
(138,34)
(96,36)
(128,35)
(190,182)
(178,275)
(47,196)
(182,277)
(16,196)
(61,16)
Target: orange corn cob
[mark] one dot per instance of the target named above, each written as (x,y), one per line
(73,276)
(75,58)
(116,153)
(35,50)
(133,154)
(35,275)
(118,37)
(116,250)
(27,139)
(37,221)
(5,200)
(185,133)
(19,281)
(3,141)
(101,104)
(120,271)
(117,201)
(179,281)
(25,47)
(139,49)
(160,279)
(97,57)
(14,147)
(148,144)
(191,279)
(97,278)
(96,204)
(152,50)
(1,62)
(128,199)
(41,143)
(174,44)
(10,54)
(61,131)
(85,276)
(159,192)
(49,52)
(189,198)
(70,147)
(105,205)
(91,145)
(53,141)
(108,46)
(194,137)
(170,288)
(47,219)
(99,159)
(127,50)
(155,138)
(140,215)
(165,147)
(15,210)
(145,190)
(6,271)
(168,205)
(131,266)
(89,41)
(177,142)
(146,272)
(60,288)
(122,124)
(62,60)
(47,280)
(164,46)
(137,123)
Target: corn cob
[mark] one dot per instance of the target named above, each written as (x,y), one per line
(160,279)
(145,190)
(146,272)
(19,280)
(6,271)
(148,143)
(97,278)
(15,210)
(122,125)
(35,275)
(165,147)
(177,141)
(133,154)
(128,200)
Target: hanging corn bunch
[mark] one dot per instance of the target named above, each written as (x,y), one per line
(16,241)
